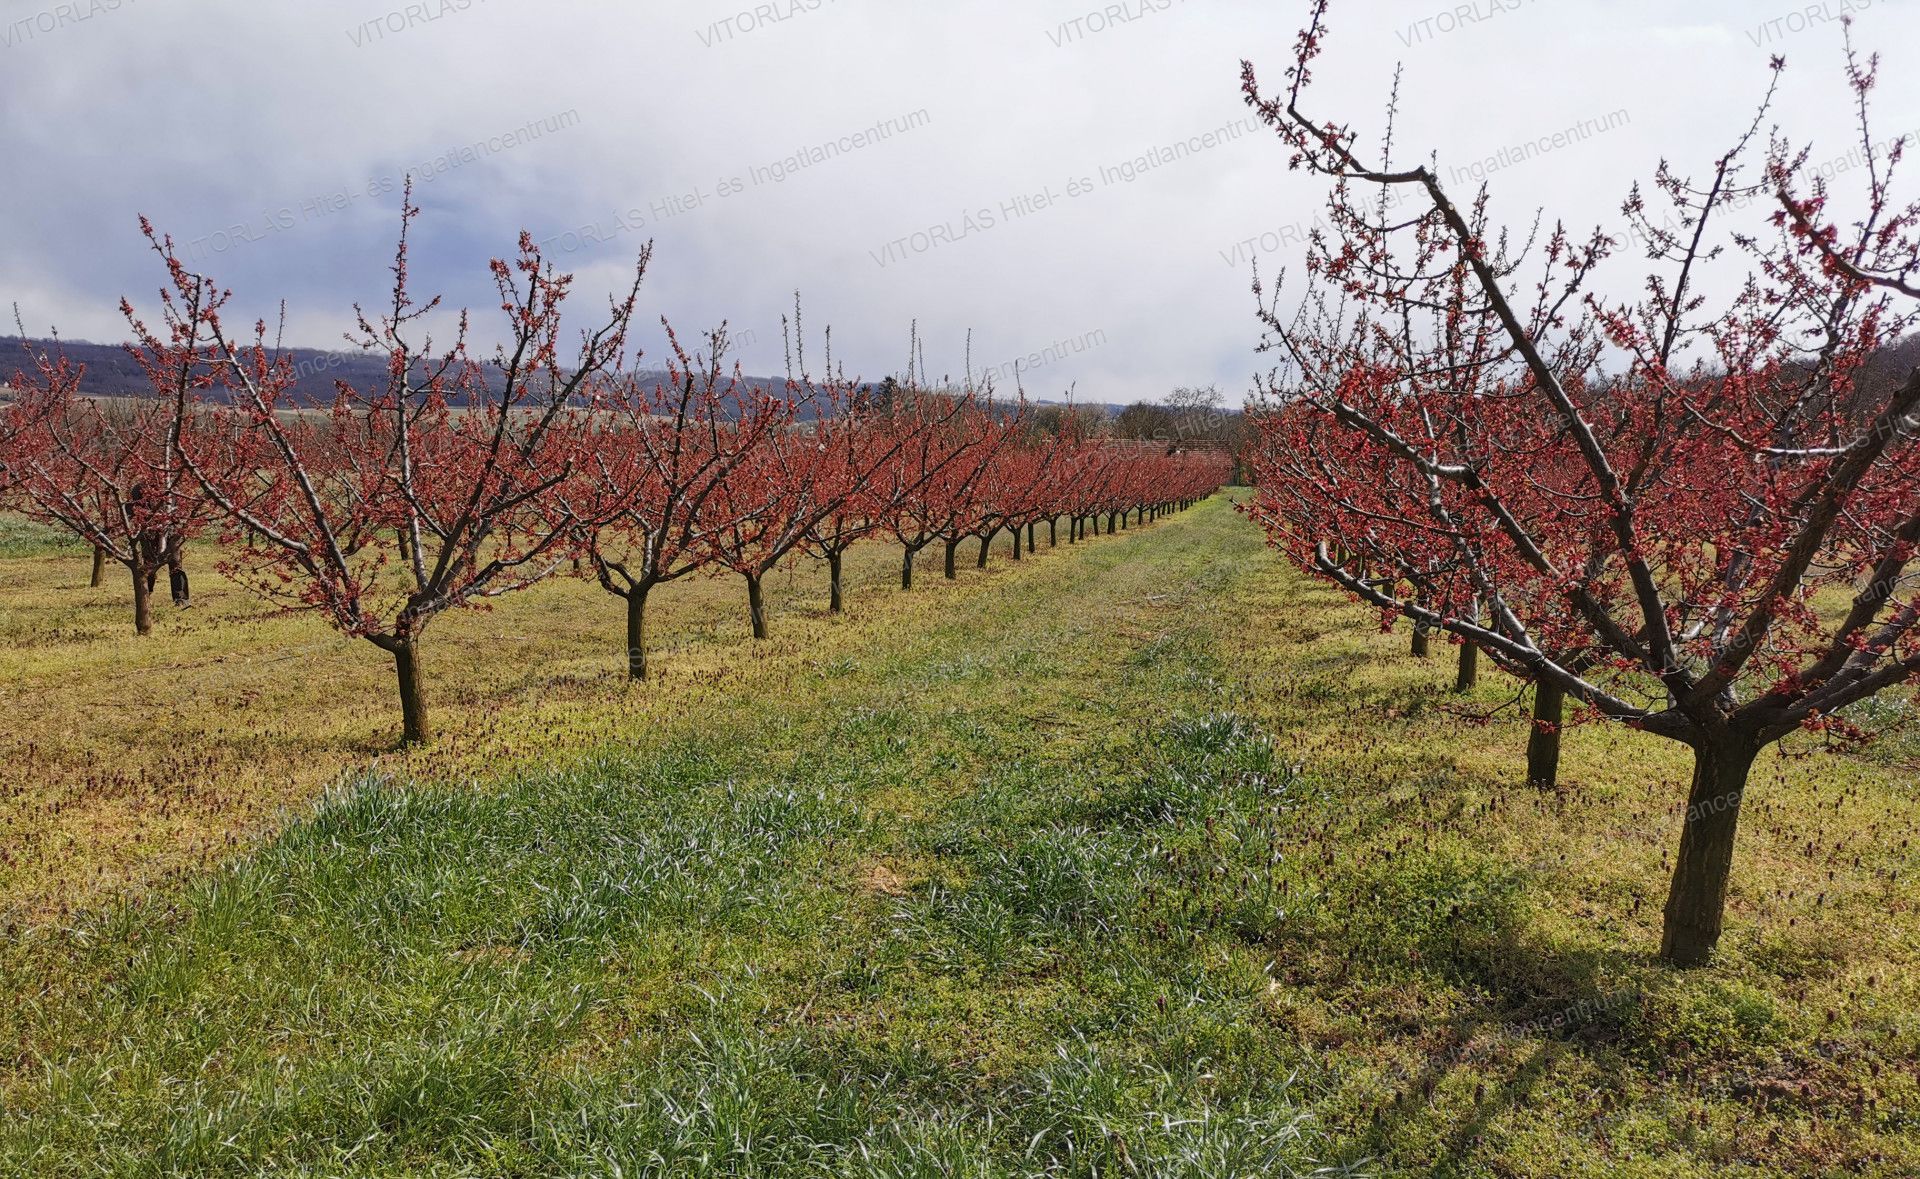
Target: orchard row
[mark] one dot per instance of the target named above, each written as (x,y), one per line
(461,479)
(1692,509)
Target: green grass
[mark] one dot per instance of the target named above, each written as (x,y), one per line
(20,537)
(1148,858)
(132,761)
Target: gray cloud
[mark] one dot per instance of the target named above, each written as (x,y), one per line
(1106,144)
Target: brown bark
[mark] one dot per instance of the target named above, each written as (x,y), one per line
(637,632)
(1697,899)
(142,601)
(1469,674)
(757,606)
(414,729)
(1543,745)
(836,595)
(99,577)
(952,547)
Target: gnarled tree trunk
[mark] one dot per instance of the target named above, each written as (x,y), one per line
(414,729)
(756,605)
(1697,898)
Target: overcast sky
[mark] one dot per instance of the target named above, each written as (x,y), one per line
(268,136)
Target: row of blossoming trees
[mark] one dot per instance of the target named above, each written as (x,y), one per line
(461,479)
(1695,513)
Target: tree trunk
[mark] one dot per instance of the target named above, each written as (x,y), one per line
(1697,900)
(1016,541)
(142,601)
(178,585)
(756,606)
(413,701)
(1033,535)
(99,577)
(637,632)
(952,547)
(1543,746)
(906,569)
(1422,637)
(1469,674)
(1053,532)
(986,543)
(836,596)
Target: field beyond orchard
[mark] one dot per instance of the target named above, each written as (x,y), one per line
(1143,856)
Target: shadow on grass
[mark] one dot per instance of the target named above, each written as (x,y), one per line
(1543,1011)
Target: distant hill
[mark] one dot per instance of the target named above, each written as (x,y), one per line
(111,372)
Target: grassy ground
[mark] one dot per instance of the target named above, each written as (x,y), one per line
(1146,858)
(130,760)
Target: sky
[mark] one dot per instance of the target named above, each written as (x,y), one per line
(999,170)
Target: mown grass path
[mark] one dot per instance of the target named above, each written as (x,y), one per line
(857,922)
(1022,879)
